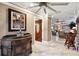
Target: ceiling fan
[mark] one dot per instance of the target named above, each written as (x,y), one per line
(47,5)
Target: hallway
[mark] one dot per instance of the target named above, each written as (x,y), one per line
(52,48)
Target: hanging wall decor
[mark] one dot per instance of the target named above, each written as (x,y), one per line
(17,20)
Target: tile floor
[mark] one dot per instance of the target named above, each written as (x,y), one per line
(52,48)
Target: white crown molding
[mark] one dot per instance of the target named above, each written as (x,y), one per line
(18,7)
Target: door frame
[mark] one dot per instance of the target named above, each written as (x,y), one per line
(41,29)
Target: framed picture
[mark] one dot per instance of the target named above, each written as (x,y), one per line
(17,20)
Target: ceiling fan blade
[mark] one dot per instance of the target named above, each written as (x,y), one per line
(38,10)
(58,4)
(44,10)
(52,9)
(32,6)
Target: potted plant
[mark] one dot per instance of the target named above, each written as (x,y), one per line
(72,24)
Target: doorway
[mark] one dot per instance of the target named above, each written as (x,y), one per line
(38,30)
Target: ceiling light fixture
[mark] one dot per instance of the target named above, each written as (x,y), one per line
(32,4)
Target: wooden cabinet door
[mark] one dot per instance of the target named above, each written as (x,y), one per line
(0,47)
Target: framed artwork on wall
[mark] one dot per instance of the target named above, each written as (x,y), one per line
(17,20)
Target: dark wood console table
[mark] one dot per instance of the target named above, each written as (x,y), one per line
(16,46)
(0,47)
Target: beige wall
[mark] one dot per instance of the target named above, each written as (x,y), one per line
(4,21)
(46,28)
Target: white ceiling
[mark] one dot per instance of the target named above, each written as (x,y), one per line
(66,10)
(28,4)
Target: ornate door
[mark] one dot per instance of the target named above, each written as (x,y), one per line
(38,30)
